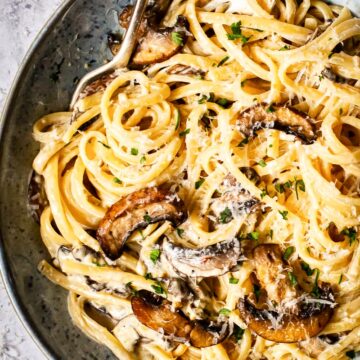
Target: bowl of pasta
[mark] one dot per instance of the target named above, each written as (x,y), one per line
(204,202)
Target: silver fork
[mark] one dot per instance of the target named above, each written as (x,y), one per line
(121,59)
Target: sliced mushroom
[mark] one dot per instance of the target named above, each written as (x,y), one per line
(157,313)
(37,199)
(331,75)
(136,211)
(156,44)
(181,69)
(214,260)
(289,314)
(161,44)
(291,121)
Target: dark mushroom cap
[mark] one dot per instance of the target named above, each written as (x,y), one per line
(156,44)
(214,260)
(298,316)
(157,313)
(288,328)
(283,118)
(136,211)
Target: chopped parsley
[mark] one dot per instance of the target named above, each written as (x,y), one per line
(203,99)
(237,34)
(155,255)
(147,218)
(271,233)
(340,279)
(184,133)
(141,234)
(299,184)
(256,291)
(263,193)
(132,290)
(315,290)
(279,188)
(117,180)
(158,288)
(199,183)
(306,267)
(233,280)
(225,312)
(177,38)
(142,160)
(226,216)
(103,144)
(148,276)
(180,231)
(350,233)
(284,214)
(243,142)
(134,151)
(292,278)
(253,235)
(321,77)
(223,61)
(351,354)
(288,252)
(270,109)
(262,163)
(238,332)
(177,120)
(286,47)
(222,102)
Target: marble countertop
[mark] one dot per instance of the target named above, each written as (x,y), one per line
(20,22)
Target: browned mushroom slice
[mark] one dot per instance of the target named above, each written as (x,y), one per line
(37,199)
(294,314)
(158,314)
(214,260)
(204,334)
(180,69)
(331,75)
(158,45)
(287,328)
(136,211)
(271,273)
(291,121)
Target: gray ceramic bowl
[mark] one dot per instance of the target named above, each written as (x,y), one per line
(75,36)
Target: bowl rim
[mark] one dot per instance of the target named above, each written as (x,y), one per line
(5,271)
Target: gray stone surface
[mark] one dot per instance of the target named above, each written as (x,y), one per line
(20,22)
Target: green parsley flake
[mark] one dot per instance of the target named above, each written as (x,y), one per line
(222,102)
(286,47)
(158,288)
(350,354)
(288,252)
(177,120)
(177,38)
(256,288)
(262,163)
(340,279)
(117,180)
(203,99)
(225,312)
(243,142)
(134,151)
(142,160)
(180,231)
(315,291)
(270,109)
(238,332)
(147,218)
(284,214)
(350,233)
(199,183)
(223,61)
(226,216)
(263,193)
(233,280)
(141,234)
(148,276)
(236,33)
(299,184)
(254,235)
(184,133)
(306,267)
(279,188)
(103,144)
(292,278)
(155,255)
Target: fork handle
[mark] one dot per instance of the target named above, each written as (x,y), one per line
(122,58)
